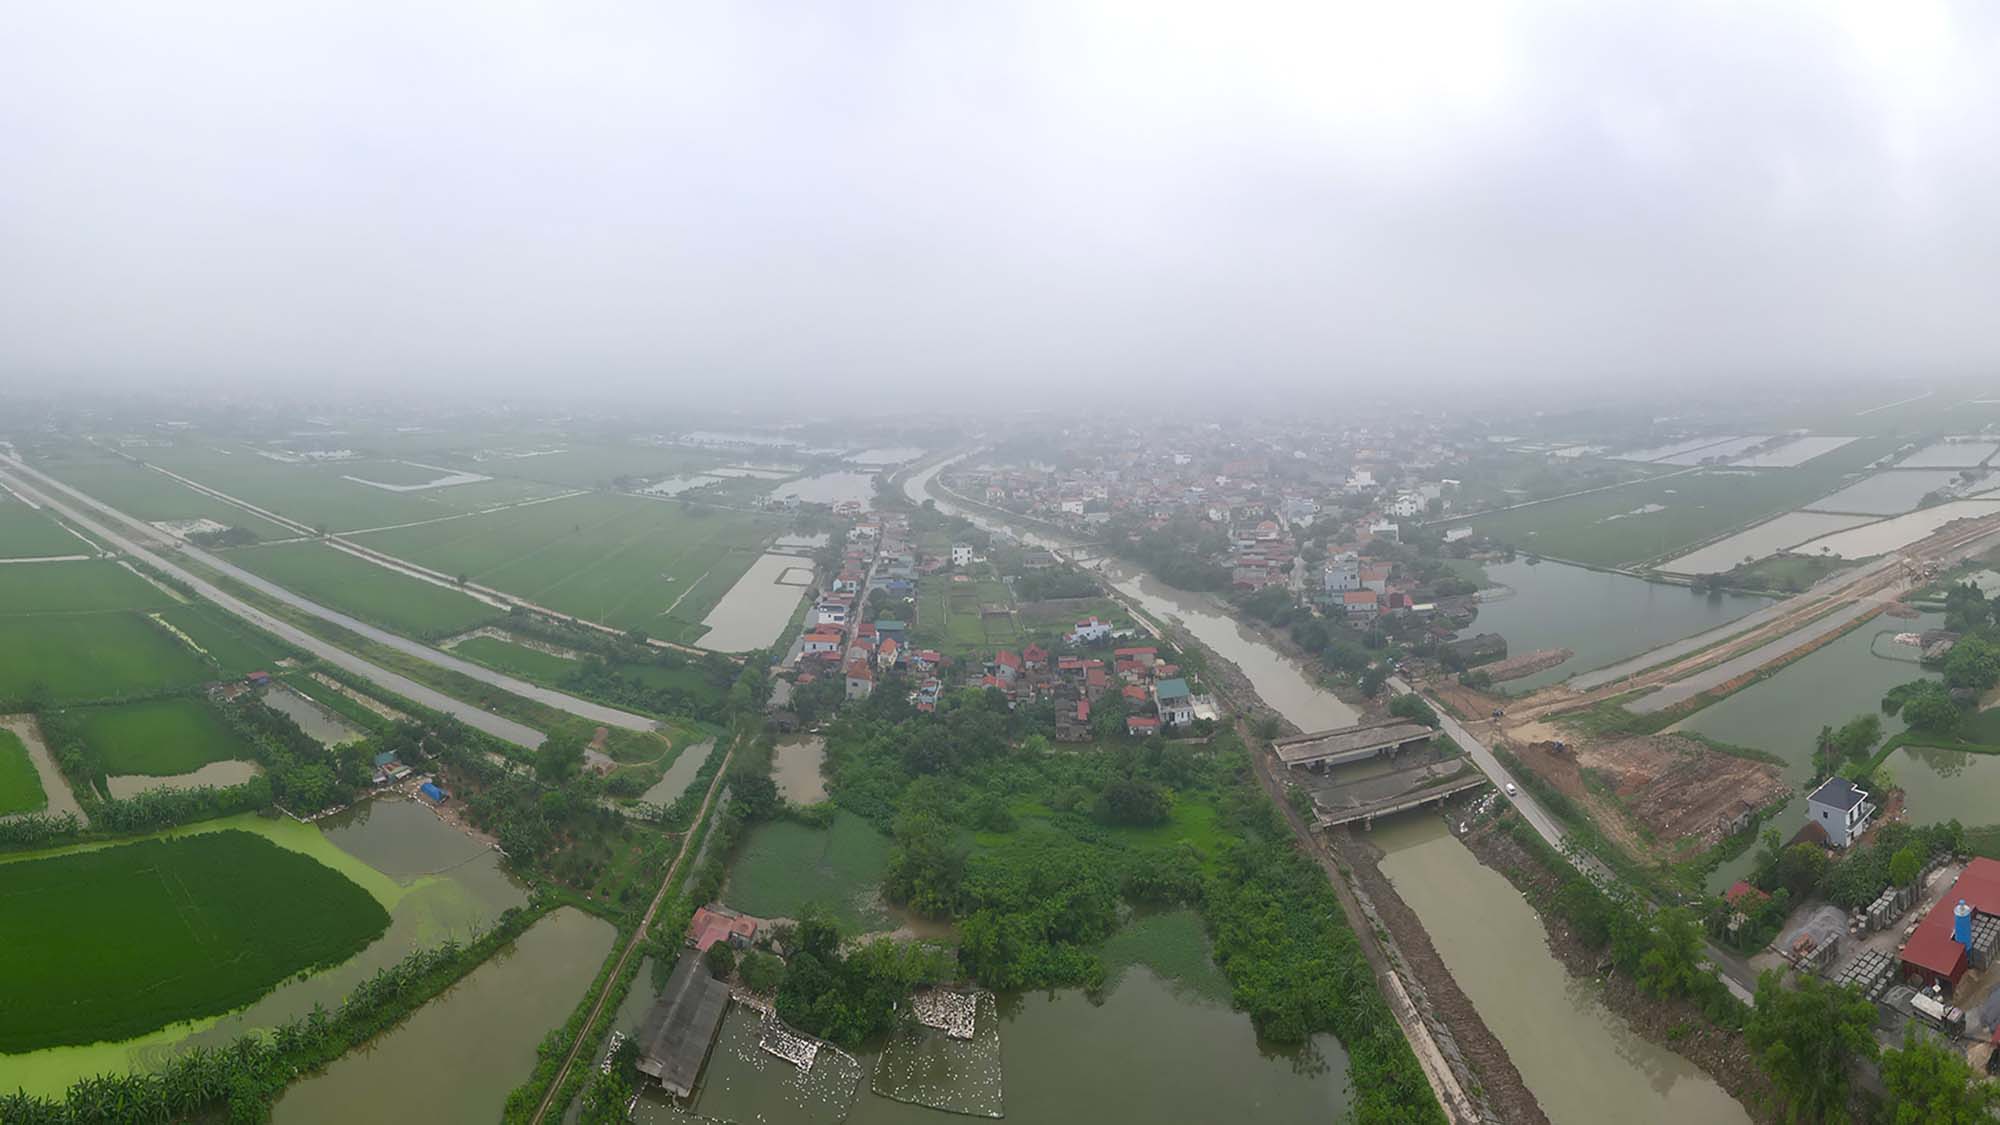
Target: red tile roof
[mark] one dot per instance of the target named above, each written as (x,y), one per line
(715,923)
(1931,948)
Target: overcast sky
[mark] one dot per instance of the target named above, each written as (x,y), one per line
(762,196)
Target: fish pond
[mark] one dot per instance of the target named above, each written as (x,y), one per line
(1602,616)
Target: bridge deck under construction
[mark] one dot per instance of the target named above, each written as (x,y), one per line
(1350,744)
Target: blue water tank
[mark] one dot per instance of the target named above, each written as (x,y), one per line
(1961,924)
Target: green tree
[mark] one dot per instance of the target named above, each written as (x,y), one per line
(1671,965)
(1807,1040)
(1411,706)
(1904,867)
(762,972)
(558,759)
(1801,867)
(1930,1084)
(720,959)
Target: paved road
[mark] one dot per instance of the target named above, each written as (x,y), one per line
(473,716)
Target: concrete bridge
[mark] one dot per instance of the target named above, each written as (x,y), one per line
(1404,802)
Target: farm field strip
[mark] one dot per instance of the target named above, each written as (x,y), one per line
(1887,493)
(160,737)
(31,533)
(366,589)
(20,783)
(1895,534)
(152,496)
(1950,455)
(53,785)
(1658,454)
(1762,541)
(1792,454)
(1722,449)
(517,733)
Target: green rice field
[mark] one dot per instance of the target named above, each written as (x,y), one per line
(236,648)
(20,786)
(320,495)
(375,594)
(783,866)
(27,533)
(111,943)
(506,656)
(620,560)
(142,493)
(85,656)
(76,587)
(160,737)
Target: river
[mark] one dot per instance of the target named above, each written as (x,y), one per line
(1578,1058)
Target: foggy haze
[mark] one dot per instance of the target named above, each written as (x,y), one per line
(756,197)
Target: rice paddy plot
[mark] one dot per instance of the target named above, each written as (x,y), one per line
(1792,453)
(1886,493)
(28,533)
(236,648)
(1950,455)
(1894,534)
(616,559)
(1768,538)
(319,495)
(518,659)
(148,495)
(165,930)
(160,737)
(76,587)
(783,866)
(20,786)
(365,590)
(81,657)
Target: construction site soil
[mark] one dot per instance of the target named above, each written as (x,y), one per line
(1659,796)
(1677,1025)
(1500,1082)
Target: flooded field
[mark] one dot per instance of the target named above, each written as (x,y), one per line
(1575,1054)
(216,774)
(327,728)
(1793,453)
(1768,538)
(54,785)
(796,764)
(755,611)
(457,1057)
(1884,494)
(830,488)
(435,882)
(1604,617)
(1889,535)
(1782,715)
(679,775)
(1145,1052)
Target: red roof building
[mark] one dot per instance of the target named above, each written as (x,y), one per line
(1932,954)
(1035,656)
(719,923)
(1743,896)
(1141,724)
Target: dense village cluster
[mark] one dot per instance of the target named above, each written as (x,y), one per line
(856,638)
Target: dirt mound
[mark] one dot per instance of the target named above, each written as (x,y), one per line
(1663,796)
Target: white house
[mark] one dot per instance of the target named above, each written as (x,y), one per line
(1342,573)
(1406,505)
(961,555)
(1089,630)
(1841,810)
(1174,702)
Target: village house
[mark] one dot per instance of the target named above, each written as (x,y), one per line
(860,679)
(1174,702)
(961,555)
(1090,631)
(1840,810)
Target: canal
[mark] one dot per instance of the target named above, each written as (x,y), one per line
(1577,1057)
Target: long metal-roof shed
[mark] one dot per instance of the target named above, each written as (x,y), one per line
(679,1030)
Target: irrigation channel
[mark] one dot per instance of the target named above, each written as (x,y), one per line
(1574,1054)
